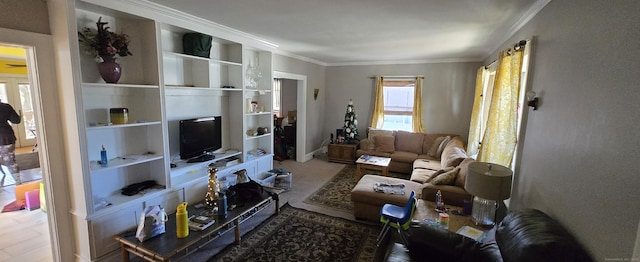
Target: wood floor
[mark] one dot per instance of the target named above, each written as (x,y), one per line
(24,234)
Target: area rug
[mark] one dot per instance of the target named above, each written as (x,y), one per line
(336,193)
(300,235)
(14,206)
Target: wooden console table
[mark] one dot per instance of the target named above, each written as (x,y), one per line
(167,246)
(342,153)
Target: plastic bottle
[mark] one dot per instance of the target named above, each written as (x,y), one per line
(439,202)
(103,157)
(182,221)
(222,204)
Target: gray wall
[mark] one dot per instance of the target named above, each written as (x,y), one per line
(315,108)
(580,154)
(447,94)
(25,15)
(289,96)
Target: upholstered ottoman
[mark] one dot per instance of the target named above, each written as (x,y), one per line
(367,203)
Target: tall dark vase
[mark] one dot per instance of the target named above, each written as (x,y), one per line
(110,70)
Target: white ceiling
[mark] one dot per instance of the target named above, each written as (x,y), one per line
(342,32)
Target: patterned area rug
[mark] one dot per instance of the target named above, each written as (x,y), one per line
(336,194)
(300,235)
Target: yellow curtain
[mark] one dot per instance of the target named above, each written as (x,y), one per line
(418,121)
(475,126)
(499,139)
(377,116)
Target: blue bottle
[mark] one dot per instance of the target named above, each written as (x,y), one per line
(103,157)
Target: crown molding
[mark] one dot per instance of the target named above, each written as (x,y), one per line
(174,17)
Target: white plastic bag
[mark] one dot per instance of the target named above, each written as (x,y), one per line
(151,223)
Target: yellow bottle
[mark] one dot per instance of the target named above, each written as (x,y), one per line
(182,221)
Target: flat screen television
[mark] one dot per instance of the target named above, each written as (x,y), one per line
(199,137)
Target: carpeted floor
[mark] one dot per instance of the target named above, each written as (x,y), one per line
(300,235)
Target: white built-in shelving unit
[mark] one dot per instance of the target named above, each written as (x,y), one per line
(160,86)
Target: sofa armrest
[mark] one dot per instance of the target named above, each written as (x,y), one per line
(365,144)
(438,244)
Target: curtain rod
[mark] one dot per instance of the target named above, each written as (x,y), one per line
(516,46)
(408,77)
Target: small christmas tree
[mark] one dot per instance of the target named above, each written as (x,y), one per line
(350,125)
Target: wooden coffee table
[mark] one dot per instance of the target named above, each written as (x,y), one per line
(374,163)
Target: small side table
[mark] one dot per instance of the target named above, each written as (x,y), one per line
(342,153)
(373,162)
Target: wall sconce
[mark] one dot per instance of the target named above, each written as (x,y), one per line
(532,100)
(315,93)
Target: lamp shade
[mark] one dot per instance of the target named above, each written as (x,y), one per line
(489,181)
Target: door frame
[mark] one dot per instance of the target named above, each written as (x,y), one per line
(301,121)
(52,154)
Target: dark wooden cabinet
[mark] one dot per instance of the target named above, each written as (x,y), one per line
(342,153)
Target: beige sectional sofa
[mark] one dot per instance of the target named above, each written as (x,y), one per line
(432,162)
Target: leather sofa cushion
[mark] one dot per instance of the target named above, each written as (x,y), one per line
(436,244)
(409,141)
(531,235)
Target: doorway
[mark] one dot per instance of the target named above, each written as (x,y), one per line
(300,83)
(16,91)
(32,236)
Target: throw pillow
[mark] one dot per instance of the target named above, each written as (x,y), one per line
(377,132)
(438,173)
(446,178)
(409,141)
(442,146)
(452,156)
(434,147)
(462,175)
(384,144)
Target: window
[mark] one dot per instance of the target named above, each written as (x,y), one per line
(277,85)
(398,104)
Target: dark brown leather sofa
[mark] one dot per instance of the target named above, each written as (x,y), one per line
(523,236)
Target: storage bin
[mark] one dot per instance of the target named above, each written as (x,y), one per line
(283,178)
(266,179)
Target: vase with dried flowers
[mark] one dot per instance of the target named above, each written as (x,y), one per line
(106,45)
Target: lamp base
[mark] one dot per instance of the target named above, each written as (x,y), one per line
(483,212)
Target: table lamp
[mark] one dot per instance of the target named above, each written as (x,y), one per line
(488,183)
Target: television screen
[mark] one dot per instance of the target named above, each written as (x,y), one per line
(200,136)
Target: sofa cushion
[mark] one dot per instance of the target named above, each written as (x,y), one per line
(433,150)
(425,175)
(409,141)
(453,195)
(462,175)
(452,156)
(403,156)
(384,144)
(373,132)
(446,178)
(428,164)
(531,235)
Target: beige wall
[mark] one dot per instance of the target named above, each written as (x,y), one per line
(580,155)
(315,108)
(25,15)
(447,94)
